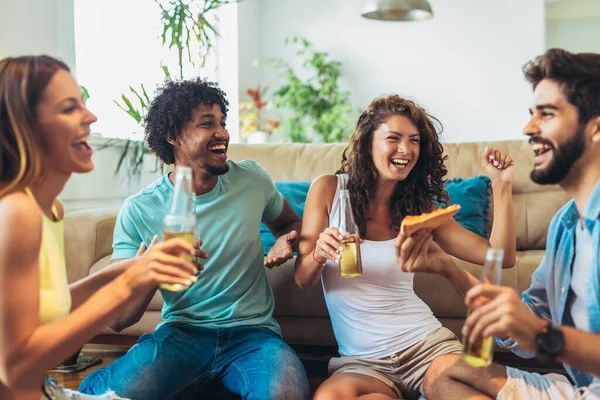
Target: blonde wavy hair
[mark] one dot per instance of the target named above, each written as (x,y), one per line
(22,83)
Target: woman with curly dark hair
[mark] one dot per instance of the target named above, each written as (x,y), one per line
(387,336)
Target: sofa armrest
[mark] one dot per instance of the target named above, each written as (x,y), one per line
(88,238)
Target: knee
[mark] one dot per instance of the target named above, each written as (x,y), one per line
(328,392)
(288,382)
(437,370)
(286,391)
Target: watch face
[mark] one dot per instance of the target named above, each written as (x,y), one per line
(552,342)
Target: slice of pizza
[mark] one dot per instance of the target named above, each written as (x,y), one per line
(432,220)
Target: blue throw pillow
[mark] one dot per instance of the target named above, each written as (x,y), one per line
(295,193)
(473,195)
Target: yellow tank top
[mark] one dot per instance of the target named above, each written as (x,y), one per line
(55,297)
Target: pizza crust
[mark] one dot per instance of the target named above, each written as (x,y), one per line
(432,220)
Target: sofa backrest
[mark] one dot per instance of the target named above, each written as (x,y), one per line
(534,204)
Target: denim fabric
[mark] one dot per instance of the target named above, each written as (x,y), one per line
(180,359)
(547,295)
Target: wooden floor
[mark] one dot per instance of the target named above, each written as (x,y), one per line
(108,354)
(72,381)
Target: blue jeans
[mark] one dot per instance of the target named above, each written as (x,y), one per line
(179,359)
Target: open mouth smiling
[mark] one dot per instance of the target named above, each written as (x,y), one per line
(218,149)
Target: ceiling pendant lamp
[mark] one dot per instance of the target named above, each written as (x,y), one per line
(397,10)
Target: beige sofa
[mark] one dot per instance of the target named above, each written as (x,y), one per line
(302,314)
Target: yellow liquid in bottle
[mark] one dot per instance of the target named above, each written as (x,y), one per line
(350,263)
(480,353)
(188,237)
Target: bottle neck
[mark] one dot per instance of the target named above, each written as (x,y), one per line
(182,202)
(342,181)
(345,217)
(492,269)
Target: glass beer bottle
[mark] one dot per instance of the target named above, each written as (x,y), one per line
(481,353)
(180,222)
(350,261)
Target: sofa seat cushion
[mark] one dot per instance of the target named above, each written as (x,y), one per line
(439,294)
(146,324)
(156,303)
(290,300)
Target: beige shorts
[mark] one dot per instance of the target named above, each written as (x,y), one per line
(403,372)
(529,385)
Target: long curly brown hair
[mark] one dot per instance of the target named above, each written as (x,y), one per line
(422,187)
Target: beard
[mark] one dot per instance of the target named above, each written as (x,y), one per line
(216,169)
(563,158)
(204,161)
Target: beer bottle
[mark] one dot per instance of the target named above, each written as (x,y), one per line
(350,261)
(481,353)
(180,222)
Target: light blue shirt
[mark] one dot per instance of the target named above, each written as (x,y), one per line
(549,291)
(233,289)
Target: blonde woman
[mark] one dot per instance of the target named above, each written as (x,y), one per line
(44,129)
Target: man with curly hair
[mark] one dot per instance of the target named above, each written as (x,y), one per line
(220,333)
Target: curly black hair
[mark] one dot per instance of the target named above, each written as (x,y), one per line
(172,107)
(424,184)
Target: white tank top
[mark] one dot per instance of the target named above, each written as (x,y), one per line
(377,314)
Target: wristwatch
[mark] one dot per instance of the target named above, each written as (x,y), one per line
(551,341)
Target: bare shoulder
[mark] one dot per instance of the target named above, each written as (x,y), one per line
(324,184)
(21,228)
(322,191)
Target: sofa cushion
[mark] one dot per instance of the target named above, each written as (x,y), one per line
(295,193)
(290,300)
(473,195)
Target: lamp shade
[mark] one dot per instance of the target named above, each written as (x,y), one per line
(397,10)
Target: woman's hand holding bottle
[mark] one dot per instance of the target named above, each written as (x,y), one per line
(162,264)
(329,246)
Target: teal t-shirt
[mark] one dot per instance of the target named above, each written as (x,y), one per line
(233,290)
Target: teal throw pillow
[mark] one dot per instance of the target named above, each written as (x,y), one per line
(295,193)
(473,196)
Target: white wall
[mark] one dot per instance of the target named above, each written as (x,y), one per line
(464,65)
(573,25)
(37,27)
(249,45)
(579,35)
(101,188)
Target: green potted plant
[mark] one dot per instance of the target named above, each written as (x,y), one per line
(321,109)
(187,29)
